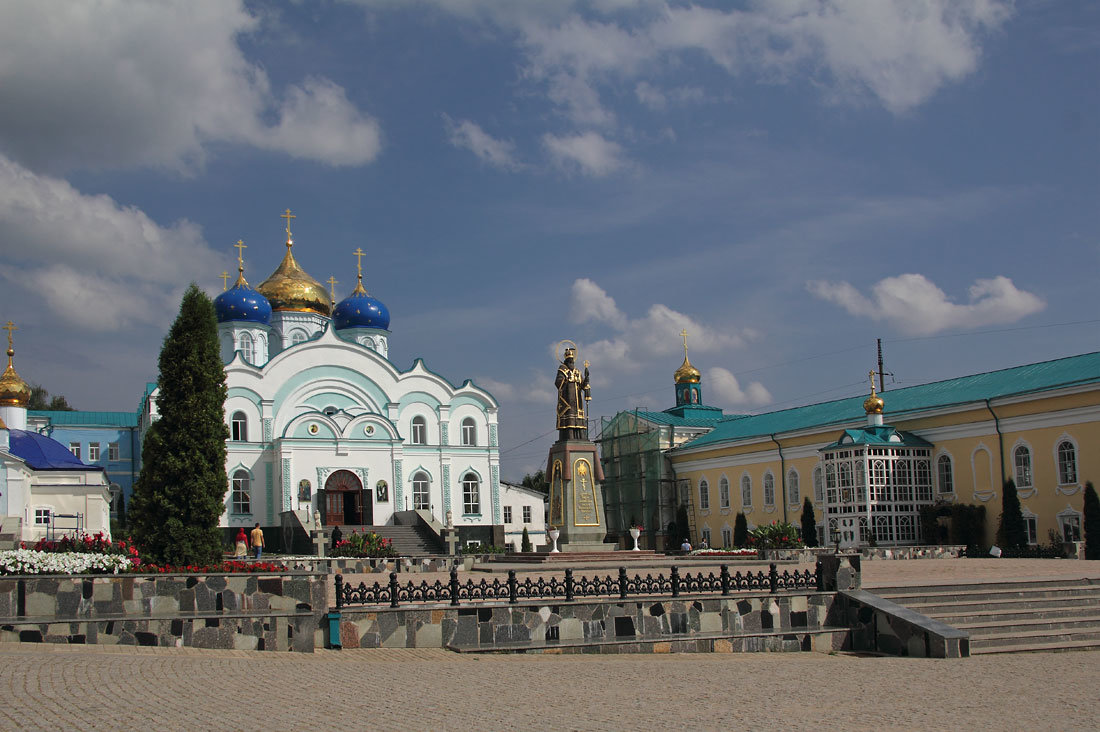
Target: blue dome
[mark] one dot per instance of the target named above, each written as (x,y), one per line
(44,453)
(360,310)
(241,302)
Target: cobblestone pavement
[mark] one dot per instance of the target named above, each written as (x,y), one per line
(115,688)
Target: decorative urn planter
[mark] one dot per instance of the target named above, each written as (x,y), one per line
(554,534)
(634,534)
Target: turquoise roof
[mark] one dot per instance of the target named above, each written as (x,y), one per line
(1035,377)
(87,419)
(688,420)
(877,435)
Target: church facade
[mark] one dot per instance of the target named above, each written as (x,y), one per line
(324,425)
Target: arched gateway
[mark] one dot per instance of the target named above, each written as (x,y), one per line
(346,503)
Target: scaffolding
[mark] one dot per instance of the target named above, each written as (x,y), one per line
(638,486)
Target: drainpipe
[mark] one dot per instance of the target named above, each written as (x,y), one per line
(782,476)
(1000,439)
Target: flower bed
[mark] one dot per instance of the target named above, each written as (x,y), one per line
(776,535)
(32,561)
(724,553)
(368,544)
(86,544)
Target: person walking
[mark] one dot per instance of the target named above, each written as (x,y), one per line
(242,544)
(258,540)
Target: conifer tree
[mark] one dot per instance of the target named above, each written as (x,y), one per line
(1092,522)
(1012,532)
(179,496)
(525,542)
(740,531)
(809,523)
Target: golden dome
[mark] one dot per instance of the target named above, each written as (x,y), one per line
(687,374)
(873,404)
(290,288)
(14,392)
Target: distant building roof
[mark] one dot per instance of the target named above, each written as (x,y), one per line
(44,453)
(86,419)
(882,435)
(692,417)
(1036,377)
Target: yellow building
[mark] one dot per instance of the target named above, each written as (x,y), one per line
(1037,424)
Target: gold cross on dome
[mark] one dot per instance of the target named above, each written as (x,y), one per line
(225,280)
(10,328)
(359,254)
(288,216)
(240,247)
(684,335)
(332,282)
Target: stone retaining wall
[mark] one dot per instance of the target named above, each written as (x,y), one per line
(946,551)
(381,565)
(254,611)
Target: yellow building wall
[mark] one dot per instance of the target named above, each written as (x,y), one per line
(978,470)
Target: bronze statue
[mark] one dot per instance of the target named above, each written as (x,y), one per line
(573,392)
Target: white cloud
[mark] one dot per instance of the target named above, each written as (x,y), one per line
(94,263)
(589,301)
(728,391)
(650,95)
(116,84)
(913,304)
(589,152)
(469,136)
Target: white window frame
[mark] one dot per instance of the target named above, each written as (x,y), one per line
(794,490)
(298,336)
(746,491)
(240,500)
(526,514)
(93,452)
(704,495)
(469,432)
(419,430)
(238,427)
(113,452)
(471,495)
(1031,527)
(769,489)
(723,492)
(247,347)
(1018,467)
(819,484)
(422,492)
(42,515)
(1070,517)
(945,459)
(507,514)
(74,448)
(1066,469)
(727,537)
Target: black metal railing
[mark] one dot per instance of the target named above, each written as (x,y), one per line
(570,588)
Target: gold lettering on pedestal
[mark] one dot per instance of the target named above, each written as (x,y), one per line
(585,511)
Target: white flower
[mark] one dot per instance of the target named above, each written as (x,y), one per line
(29,561)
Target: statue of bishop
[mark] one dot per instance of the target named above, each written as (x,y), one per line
(573,392)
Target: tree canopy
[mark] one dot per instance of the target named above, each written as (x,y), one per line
(41,400)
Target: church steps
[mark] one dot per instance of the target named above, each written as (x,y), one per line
(407,540)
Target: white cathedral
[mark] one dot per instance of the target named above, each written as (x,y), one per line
(322,424)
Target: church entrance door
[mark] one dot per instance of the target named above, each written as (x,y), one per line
(346,503)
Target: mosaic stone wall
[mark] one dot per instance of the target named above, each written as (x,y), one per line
(946,551)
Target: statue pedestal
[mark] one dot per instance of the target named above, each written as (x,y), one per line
(576,497)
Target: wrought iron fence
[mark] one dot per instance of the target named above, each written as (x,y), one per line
(569,588)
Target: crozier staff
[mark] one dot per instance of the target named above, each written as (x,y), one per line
(573,392)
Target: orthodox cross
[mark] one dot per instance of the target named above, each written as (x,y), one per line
(288,216)
(240,246)
(359,254)
(225,280)
(684,335)
(871,376)
(10,328)
(332,282)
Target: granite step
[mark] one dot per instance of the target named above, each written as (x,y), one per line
(1059,647)
(1050,613)
(977,606)
(1035,584)
(993,640)
(992,627)
(977,593)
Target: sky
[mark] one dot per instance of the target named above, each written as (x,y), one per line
(787,180)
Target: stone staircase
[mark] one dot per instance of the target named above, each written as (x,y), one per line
(1011,617)
(407,540)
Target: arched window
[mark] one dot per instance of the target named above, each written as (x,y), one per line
(1021,457)
(746,491)
(245,346)
(242,492)
(297,337)
(794,496)
(1067,463)
(769,489)
(239,427)
(819,494)
(723,493)
(704,495)
(945,474)
(419,431)
(420,491)
(471,495)
(469,431)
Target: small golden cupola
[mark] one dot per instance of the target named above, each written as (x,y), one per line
(290,287)
(14,392)
(873,404)
(687,380)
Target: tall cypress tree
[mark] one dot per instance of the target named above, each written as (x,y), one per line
(1012,532)
(179,496)
(740,531)
(1092,522)
(809,523)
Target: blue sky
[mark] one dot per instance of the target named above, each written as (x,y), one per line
(786,180)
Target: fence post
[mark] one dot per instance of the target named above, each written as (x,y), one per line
(393,589)
(675,582)
(773,578)
(454,585)
(339,591)
(819,573)
(725,574)
(622,583)
(568,584)
(512,586)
